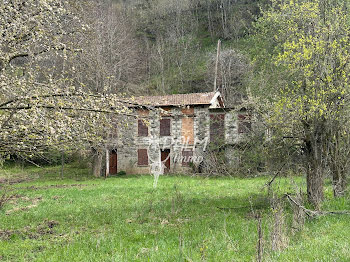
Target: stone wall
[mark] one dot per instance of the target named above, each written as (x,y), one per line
(129,142)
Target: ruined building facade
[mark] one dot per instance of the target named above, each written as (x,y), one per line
(172,133)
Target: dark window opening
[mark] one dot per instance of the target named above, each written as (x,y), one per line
(165,127)
(165,158)
(142,128)
(142,157)
(113,162)
(217,128)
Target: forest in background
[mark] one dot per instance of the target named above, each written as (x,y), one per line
(178,40)
(67,66)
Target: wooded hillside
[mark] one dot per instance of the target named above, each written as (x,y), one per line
(178,41)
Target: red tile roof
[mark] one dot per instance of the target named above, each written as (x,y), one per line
(175,100)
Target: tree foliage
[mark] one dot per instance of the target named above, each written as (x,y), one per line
(41,103)
(309,46)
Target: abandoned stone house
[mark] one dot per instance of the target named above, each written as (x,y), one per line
(172,133)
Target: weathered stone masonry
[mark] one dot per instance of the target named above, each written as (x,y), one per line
(190,133)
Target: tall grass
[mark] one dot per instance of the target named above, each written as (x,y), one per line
(126,219)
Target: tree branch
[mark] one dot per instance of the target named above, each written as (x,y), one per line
(312,213)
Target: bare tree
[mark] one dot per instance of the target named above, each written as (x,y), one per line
(233,69)
(112,59)
(41,105)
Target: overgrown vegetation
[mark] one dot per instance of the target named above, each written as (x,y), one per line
(184,218)
(64,65)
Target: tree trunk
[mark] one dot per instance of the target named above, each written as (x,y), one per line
(339,155)
(315,182)
(339,182)
(97,163)
(107,163)
(260,250)
(62,163)
(315,167)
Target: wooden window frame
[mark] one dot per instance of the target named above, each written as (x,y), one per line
(161,130)
(214,130)
(141,161)
(187,131)
(142,128)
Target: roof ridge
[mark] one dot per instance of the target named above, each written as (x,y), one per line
(203,98)
(176,94)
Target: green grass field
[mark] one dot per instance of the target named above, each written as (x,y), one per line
(126,219)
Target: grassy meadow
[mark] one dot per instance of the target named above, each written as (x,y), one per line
(185,218)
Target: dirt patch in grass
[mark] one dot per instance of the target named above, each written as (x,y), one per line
(54,186)
(17,178)
(57,197)
(6,234)
(44,228)
(4,198)
(11,181)
(15,198)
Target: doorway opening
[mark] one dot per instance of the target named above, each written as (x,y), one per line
(113,162)
(165,158)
